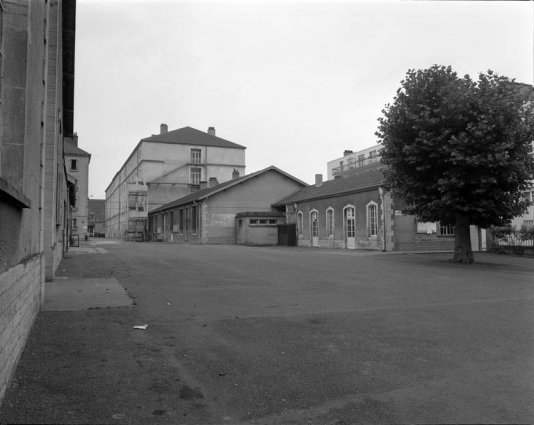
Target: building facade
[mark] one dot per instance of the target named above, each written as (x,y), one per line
(37,40)
(209,215)
(77,163)
(353,161)
(163,168)
(97,217)
(352,212)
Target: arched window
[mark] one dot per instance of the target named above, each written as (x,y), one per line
(300,223)
(330,222)
(372,219)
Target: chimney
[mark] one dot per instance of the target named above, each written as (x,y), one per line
(235,174)
(347,152)
(211,131)
(213,182)
(163,129)
(203,185)
(318,180)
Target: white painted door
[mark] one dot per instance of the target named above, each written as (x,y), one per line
(315,229)
(349,226)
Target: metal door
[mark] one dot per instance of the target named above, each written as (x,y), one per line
(349,226)
(315,229)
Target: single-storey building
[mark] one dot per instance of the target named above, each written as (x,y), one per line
(209,215)
(358,211)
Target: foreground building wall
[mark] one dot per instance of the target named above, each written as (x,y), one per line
(31,198)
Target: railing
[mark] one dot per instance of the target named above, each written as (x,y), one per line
(510,240)
(355,164)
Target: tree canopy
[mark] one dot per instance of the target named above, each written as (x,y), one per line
(459,151)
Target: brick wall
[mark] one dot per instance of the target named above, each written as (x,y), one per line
(20,293)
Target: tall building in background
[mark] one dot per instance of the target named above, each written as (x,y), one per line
(77,162)
(353,161)
(163,168)
(37,40)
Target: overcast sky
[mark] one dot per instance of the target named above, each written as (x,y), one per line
(297,83)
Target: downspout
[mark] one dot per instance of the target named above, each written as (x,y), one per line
(382,191)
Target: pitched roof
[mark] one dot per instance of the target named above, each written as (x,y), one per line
(354,182)
(71,149)
(191,136)
(202,194)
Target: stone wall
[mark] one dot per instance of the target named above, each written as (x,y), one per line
(20,293)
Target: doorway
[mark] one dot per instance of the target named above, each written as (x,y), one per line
(350,221)
(315,228)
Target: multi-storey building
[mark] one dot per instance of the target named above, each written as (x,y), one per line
(163,168)
(77,164)
(352,160)
(37,40)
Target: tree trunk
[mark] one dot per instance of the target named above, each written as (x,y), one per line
(462,241)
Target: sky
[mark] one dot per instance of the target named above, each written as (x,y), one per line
(296,82)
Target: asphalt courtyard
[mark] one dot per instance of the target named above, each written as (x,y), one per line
(249,335)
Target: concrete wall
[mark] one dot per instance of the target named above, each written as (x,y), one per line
(247,234)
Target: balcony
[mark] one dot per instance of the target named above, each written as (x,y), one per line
(355,164)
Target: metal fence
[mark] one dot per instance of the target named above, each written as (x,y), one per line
(511,236)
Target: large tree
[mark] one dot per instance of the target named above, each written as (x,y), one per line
(459,151)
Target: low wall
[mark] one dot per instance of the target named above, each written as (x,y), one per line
(527,251)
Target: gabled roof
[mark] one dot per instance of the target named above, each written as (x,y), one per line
(203,194)
(191,136)
(70,149)
(356,182)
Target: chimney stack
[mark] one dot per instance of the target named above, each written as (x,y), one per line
(203,185)
(213,182)
(235,174)
(318,180)
(347,152)
(211,131)
(163,129)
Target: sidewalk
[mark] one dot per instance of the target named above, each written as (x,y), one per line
(80,348)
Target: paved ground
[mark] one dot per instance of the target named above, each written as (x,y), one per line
(243,335)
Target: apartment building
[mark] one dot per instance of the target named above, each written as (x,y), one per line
(165,167)
(77,163)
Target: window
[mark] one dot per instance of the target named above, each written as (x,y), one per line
(262,222)
(360,160)
(181,222)
(74,224)
(74,165)
(196,156)
(300,223)
(446,230)
(372,219)
(240,223)
(194,219)
(175,221)
(330,222)
(196,174)
(372,154)
(92,216)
